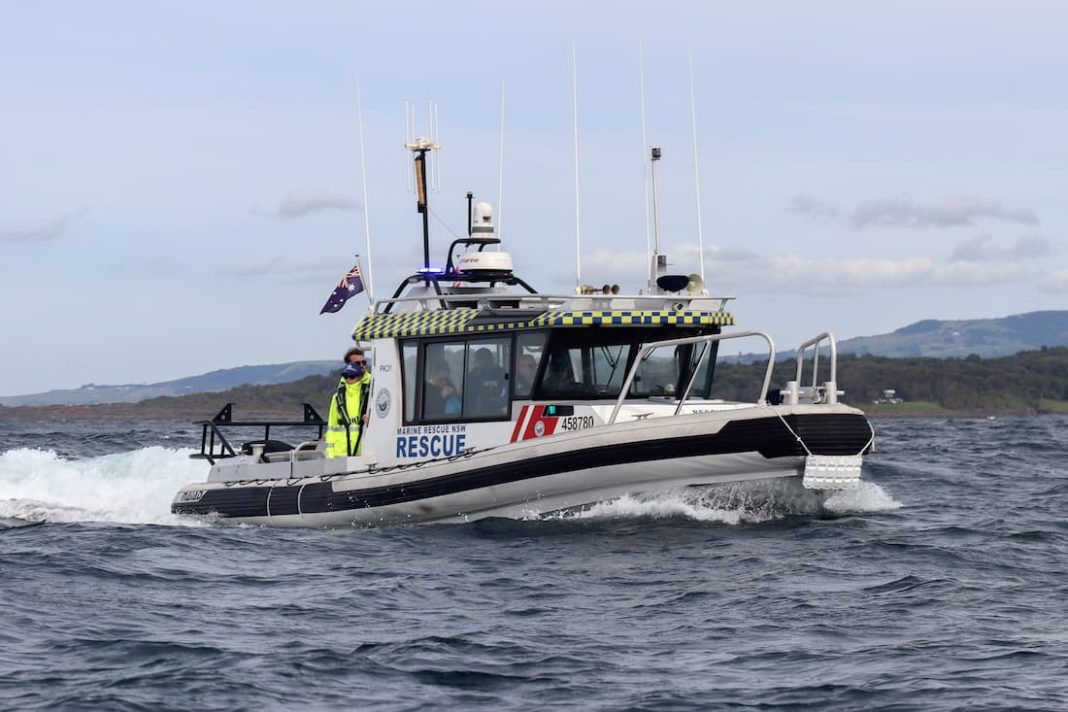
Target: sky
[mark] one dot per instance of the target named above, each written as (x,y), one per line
(181,181)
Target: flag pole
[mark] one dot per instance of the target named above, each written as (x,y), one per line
(366,207)
(367,292)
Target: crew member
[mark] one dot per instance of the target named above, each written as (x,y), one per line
(356,355)
(528,369)
(441,399)
(344,433)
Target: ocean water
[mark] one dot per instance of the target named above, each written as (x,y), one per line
(941,584)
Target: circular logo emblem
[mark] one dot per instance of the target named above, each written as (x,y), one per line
(382,403)
(539,428)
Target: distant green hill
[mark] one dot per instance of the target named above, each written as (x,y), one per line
(987,338)
(214,381)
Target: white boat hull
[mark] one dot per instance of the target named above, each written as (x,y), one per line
(534,477)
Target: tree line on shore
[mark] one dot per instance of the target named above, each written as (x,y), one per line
(1029,381)
(1018,383)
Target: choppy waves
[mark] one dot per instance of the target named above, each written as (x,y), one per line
(939,584)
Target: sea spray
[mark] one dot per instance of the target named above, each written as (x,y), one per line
(739,503)
(868,497)
(133,487)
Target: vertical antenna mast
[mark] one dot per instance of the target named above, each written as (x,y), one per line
(658,261)
(366,208)
(435,136)
(697,174)
(420,146)
(500,176)
(574,103)
(645,172)
(409,137)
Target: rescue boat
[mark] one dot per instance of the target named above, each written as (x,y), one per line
(490,399)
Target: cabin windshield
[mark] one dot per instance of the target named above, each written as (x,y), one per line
(589,364)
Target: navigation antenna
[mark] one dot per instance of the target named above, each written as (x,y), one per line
(420,146)
(658,265)
(697,175)
(500,175)
(578,222)
(650,278)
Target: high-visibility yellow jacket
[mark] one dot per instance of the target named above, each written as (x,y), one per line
(345,426)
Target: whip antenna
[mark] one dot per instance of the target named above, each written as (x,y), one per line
(645,169)
(500,176)
(697,173)
(574,103)
(435,136)
(409,137)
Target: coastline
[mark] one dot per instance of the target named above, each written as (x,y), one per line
(131,411)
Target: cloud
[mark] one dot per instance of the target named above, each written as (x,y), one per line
(632,267)
(903,212)
(1031,246)
(259,268)
(956,211)
(307,201)
(974,249)
(839,276)
(728,269)
(812,207)
(326,271)
(983,248)
(43,233)
(1056,282)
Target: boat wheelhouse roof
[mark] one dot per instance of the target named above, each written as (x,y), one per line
(489,319)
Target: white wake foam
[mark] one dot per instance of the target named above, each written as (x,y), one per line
(868,497)
(130,487)
(744,503)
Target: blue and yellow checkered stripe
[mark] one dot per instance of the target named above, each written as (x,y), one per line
(458,321)
(615,317)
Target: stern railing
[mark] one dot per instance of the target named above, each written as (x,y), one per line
(211,435)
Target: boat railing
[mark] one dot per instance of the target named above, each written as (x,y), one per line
(546,302)
(707,340)
(215,446)
(819,393)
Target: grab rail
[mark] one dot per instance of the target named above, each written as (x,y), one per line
(815,342)
(549,301)
(831,394)
(708,339)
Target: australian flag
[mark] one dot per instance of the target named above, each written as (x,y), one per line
(349,286)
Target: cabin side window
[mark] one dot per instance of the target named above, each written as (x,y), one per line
(529,348)
(586,366)
(466,380)
(443,381)
(592,363)
(702,383)
(409,356)
(486,379)
(658,372)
